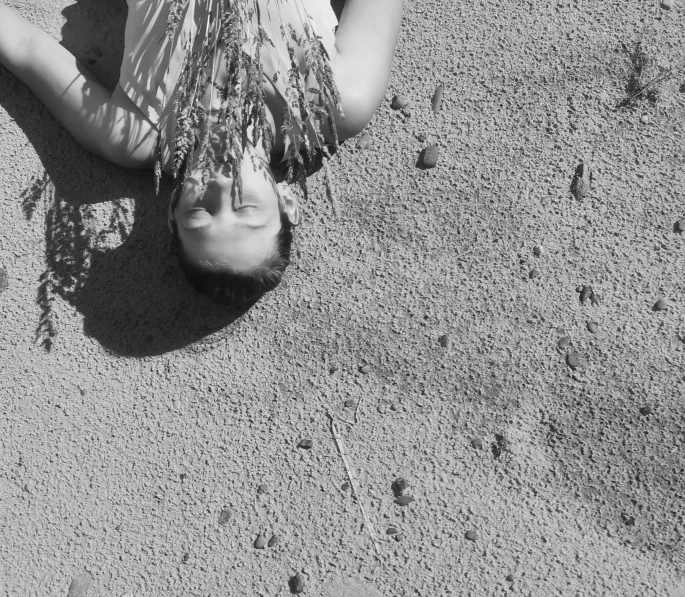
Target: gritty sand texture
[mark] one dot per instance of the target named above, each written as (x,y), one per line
(154,410)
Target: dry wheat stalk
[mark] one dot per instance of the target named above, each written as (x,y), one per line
(242,98)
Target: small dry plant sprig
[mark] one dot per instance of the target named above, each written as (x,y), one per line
(644,81)
(228,37)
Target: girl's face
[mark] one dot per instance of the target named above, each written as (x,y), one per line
(217,230)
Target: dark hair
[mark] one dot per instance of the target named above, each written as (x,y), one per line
(226,286)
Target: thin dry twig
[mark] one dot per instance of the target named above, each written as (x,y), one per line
(367,521)
(658,79)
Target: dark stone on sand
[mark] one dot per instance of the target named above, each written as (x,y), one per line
(509,578)
(563,343)
(365,369)
(534,273)
(471,535)
(437,99)
(398,486)
(660,305)
(225,516)
(80,584)
(444,340)
(404,500)
(332,369)
(345,486)
(398,102)
(585,293)
(365,141)
(260,542)
(680,227)
(3,280)
(296,583)
(573,360)
(429,159)
(646,410)
(263,488)
(306,444)
(477,443)
(592,327)
(273,541)
(185,558)
(391,531)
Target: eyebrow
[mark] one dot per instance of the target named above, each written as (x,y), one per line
(208,224)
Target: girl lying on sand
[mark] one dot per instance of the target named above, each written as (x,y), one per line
(234,98)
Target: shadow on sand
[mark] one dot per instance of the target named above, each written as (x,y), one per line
(134,298)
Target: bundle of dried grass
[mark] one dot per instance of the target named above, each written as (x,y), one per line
(242,97)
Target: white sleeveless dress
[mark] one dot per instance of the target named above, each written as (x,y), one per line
(152,64)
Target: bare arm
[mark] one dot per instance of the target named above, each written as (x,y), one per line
(109,125)
(366,39)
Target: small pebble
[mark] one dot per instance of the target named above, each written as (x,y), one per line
(534,273)
(406,112)
(680,226)
(297,583)
(585,293)
(538,249)
(273,541)
(365,369)
(398,102)
(573,360)
(4,284)
(225,516)
(509,578)
(404,500)
(394,407)
(666,4)
(399,537)
(398,486)
(185,558)
(306,444)
(579,289)
(644,119)
(564,343)
(421,137)
(660,305)
(349,403)
(30,486)
(381,408)
(471,535)
(437,98)
(592,327)
(646,410)
(477,443)
(332,369)
(444,340)
(630,521)
(391,531)
(263,488)
(345,486)
(365,141)
(594,299)
(80,584)
(430,156)
(260,542)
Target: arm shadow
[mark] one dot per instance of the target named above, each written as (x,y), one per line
(133,296)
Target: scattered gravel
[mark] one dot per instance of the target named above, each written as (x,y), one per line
(225,516)
(430,156)
(297,584)
(365,141)
(563,343)
(437,99)
(398,102)
(80,584)
(260,542)
(660,305)
(573,360)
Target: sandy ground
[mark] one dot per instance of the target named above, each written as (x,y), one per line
(135,411)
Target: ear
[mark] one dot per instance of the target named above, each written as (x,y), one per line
(289,204)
